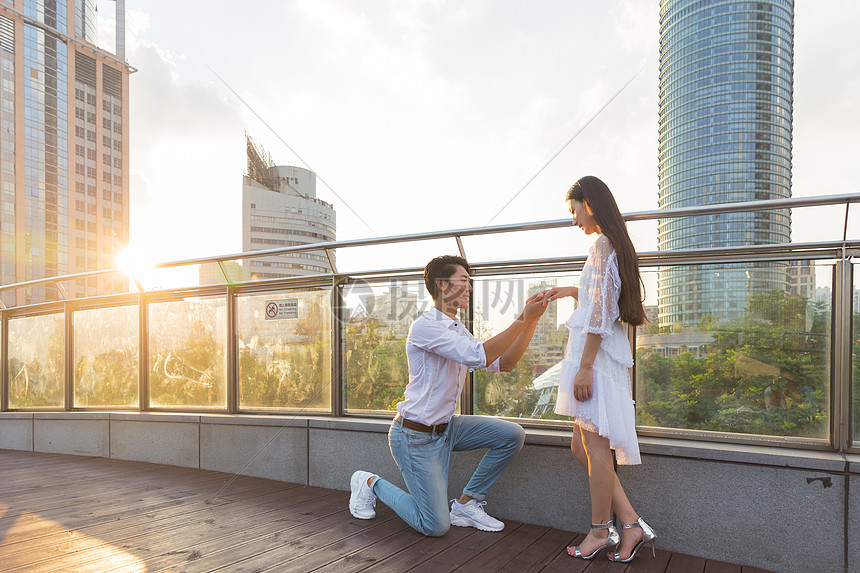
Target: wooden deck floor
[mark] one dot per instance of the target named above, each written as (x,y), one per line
(72,513)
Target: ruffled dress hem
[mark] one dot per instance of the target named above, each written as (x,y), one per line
(610,411)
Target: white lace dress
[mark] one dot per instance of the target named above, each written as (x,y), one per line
(610,411)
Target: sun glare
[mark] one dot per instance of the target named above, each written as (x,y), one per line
(135,264)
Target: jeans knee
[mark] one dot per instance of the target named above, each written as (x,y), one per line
(435,529)
(518,436)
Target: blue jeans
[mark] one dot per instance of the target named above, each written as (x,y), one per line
(423,460)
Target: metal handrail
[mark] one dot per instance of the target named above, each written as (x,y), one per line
(787,203)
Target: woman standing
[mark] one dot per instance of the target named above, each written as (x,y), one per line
(595,382)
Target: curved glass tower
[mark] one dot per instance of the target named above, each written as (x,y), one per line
(726,74)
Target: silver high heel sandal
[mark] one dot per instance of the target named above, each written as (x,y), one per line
(613,540)
(648,537)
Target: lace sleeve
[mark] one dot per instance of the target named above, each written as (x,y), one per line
(604,290)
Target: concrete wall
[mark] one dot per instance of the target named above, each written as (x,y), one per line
(775,508)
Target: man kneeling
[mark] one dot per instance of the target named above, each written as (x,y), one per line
(425,430)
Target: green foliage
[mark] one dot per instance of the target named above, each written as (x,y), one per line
(286,365)
(107,379)
(292,376)
(38,382)
(507,394)
(190,375)
(377,370)
(764,374)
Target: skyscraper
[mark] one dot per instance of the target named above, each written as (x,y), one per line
(280,209)
(726,78)
(63,148)
(547,344)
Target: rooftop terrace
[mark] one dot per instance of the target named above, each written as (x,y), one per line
(55,516)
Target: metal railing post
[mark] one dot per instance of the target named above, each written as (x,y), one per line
(337,348)
(69,361)
(143,354)
(232,381)
(4,362)
(842,356)
(467,396)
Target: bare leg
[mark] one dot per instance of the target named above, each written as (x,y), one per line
(577,448)
(600,485)
(593,453)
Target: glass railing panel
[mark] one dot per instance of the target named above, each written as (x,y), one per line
(268,267)
(531,388)
(105,284)
(150,278)
(855,353)
(376,323)
(742,348)
(36,361)
(822,223)
(107,353)
(187,353)
(225,272)
(528,245)
(284,345)
(408,255)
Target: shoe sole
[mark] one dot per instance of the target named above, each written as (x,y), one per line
(469,523)
(354,488)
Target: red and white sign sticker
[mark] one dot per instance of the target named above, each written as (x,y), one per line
(281,309)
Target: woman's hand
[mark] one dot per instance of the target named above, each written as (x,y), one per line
(549,295)
(583,383)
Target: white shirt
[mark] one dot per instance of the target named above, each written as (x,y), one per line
(440,351)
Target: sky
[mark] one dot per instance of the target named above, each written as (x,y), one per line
(425,115)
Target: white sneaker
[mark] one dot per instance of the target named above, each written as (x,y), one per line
(472,514)
(361,498)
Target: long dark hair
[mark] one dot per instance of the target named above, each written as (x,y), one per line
(597,196)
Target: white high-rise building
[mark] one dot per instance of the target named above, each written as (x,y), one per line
(280,209)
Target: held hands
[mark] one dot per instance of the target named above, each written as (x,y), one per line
(582,384)
(533,310)
(555,293)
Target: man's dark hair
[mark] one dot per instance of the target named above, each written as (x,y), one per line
(442,267)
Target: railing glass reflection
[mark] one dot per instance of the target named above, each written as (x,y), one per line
(284,346)
(36,354)
(530,389)
(188,353)
(107,357)
(376,323)
(855,353)
(764,370)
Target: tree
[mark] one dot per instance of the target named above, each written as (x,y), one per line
(765,374)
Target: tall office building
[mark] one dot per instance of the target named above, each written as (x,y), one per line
(63,148)
(280,208)
(548,341)
(726,75)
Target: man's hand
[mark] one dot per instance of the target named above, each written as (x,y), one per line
(533,310)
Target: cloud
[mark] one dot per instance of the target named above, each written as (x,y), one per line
(187,154)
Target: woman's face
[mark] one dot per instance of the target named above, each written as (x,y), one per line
(582,217)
